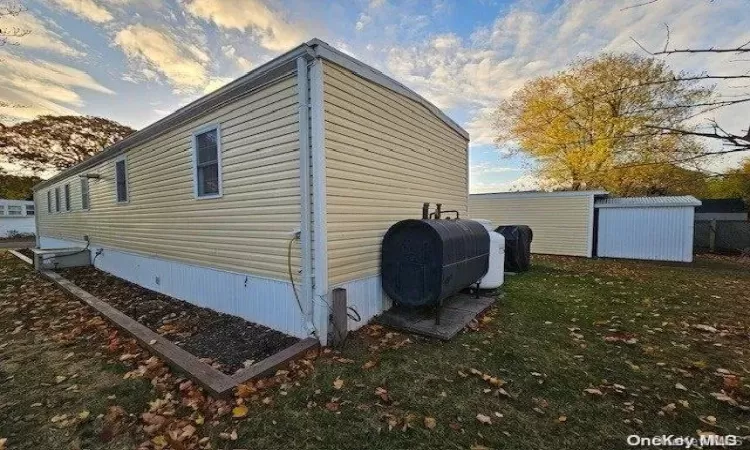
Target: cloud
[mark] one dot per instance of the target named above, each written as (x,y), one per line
(42,87)
(231,53)
(215,83)
(527,182)
(40,36)
(485,168)
(269,26)
(473,74)
(88,9)
(362,22)
(157,52)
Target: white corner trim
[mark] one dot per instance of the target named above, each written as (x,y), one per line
(193,141)
(320,244)
(590,236)
(491,195)
(303,101)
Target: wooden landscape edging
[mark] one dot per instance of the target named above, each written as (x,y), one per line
(216,382)
(22,257)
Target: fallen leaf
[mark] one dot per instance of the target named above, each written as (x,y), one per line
(430,423)
(487,420)
(670,408)
(332,406)
(680,386)
(562,419)
(338,383)
(3,441)
(244,391)
(200,420)
(59,379)
(369,365)
(593,391)
(709,420)
(707,328)
(239,412)
(159,441)
(83,415)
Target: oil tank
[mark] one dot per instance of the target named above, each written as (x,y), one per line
(495,275)
(517,246)
(425,261)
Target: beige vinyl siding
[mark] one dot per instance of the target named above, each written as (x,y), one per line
(561,225)
(246,230)
(385,156)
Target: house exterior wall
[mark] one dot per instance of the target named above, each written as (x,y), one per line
(385,156)
(562,224)
(246,230)
(660,234)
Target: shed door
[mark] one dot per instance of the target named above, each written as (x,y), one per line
(660,234)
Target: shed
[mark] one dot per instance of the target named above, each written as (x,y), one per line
(562,222)
(313,147)
(16,218)
(652,228)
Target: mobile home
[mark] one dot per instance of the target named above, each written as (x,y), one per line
(313,151)
(16,218)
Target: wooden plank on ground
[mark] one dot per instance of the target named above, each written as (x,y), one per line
(268,365)
(216,382)
(22,257)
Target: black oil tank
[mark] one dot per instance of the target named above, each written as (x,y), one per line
(517,247)
(425,261)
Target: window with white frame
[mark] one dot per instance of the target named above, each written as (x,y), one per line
(121,180)
(207,162)
(30,210)
(49,202)
(15,210)
(66,188)
(2,210)
(57,199)
(84,193)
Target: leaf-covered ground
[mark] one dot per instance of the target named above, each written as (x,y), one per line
(578,355)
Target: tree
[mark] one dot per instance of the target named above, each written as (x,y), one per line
(732,184)
(57,142)
(589,126)
(16,187)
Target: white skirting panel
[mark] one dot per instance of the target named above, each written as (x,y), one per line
(10,225)
(260,300)
(366,296)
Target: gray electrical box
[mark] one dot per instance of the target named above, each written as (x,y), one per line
(58,258)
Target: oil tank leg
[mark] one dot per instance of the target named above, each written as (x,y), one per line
(438,310)
(476,295)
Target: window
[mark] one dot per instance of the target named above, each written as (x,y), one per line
(67,197)
(57,199)
(15,210)
(207,162)
(49,202)
(84,193)
(121,178)
(30,210)
(2,210)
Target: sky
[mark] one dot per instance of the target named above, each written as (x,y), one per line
(135,61)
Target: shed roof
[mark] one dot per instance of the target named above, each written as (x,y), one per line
(646,202)
(537,194)
(722,205)
(312,49)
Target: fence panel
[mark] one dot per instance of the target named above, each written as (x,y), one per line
(722,236)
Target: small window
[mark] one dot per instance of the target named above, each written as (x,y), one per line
(49,202)
(121,177)
(57,199)
(84,193)
(15,210)
(30,211)
(207,163)
(67,197)
(2,210)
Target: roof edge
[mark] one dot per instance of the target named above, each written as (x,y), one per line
(529,194)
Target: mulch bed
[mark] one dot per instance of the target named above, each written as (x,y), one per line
(26,252)
(227,342)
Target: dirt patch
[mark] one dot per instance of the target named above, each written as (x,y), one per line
(228,342)
(26,252)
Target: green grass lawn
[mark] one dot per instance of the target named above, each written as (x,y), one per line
(578,354)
